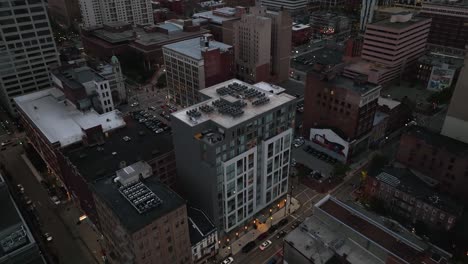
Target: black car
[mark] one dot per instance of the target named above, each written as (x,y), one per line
(280,234)
(263,236)
(272,229)
(248,247)
(283,222)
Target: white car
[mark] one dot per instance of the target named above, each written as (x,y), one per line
(55,200)
(265,245)
(298,142)
(48,237)
(229,260)
(20,188)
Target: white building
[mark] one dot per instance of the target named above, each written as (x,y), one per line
(233,151)
(27,49)
(98,12)
(113,73)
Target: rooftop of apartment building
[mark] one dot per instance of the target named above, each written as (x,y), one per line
(15,235)
(391,104)
(405,180)
(231,103)
(75,76)
(220,15)
(195,47)
(439,141)
(387,234)
(298,26)
(330,55)
(62,122)
(119,199)
(147,35)
(200,226)
(362,87)
(399,21)
(439,59)
(452,3)
(127,145)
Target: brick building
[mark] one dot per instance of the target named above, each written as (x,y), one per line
(142,221)
(411,198)
(399,113)
(441,158)
(220,22)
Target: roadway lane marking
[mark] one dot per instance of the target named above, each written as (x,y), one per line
(274,254)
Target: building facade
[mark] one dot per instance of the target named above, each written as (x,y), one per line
(95,13)
(292,6)
(27,50)
(441,158)
(239,147)
(65,12)
(203,235)
(456,120)
(156,232)
(195,64)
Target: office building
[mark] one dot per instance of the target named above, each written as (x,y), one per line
(339,113)
(194,64)
(220,22)
(448,29)
(96,13)
(27,50)
(437,71)
(341,232)
(232,151)
(390,47)
(203,235)
(17,244)
(142,221)
(292,6)
(326,24)
(138,46)
(442,159)
(367,13)
(456,120)
(407,196)
(80,145)
(66,13)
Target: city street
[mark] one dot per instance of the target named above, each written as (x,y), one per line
(64,243)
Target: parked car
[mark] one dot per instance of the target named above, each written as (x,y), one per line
(283,222)
(228,260)
(248,247)
(262,236)
(294,224)
(265,245)
(55,200)
(20,188)
(48,237)
(280,234)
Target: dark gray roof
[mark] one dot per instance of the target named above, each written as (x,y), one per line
(200,225)
(104,160)
(324,56)
(129,217)
(439,141)
(10,216)
(406,181)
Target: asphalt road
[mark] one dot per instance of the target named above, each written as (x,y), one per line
(65,246)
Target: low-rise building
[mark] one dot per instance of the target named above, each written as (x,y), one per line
(399,113)
(203,235)
(344,233)
(438,71)
(220,22)
(327,24)
(411,198)
(142,221)
(301,34)
(17,244)
(444,160)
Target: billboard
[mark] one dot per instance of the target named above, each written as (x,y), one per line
(440,79)
(329,140)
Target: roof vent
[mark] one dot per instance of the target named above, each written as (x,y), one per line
(114,153)
(126,138)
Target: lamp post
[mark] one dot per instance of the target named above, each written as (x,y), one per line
(271,218)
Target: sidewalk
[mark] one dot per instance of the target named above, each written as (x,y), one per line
(236,245)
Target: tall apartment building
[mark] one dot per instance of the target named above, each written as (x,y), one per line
(262,40)
(27,49)
(17,243)
(367,13)
(142,221)
(448,29)
(292,6)
(96,12)
(456,120)
(233,151)
(65,12)
(390,46)
(194,64)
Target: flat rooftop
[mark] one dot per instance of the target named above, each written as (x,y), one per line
(270,88)
(439,141)
(108,191)
(143,145)
(386,23)
(438,59)
(249,110)
(402,245)
(60,121)
(219,15)
(200,226)
(193,48)
(350,84)
(75,77)
(391,104)
(297,27)
(323,56)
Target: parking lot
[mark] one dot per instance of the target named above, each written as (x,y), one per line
(155,119)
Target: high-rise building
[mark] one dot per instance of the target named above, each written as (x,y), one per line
(27,49)
(65,12)
(96,12)
(233,151)
(194,64)
(18,245)
(456,121)
(390,46)
(142,221)
(448,29)
(367,13)
(292,6)
(262,40)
